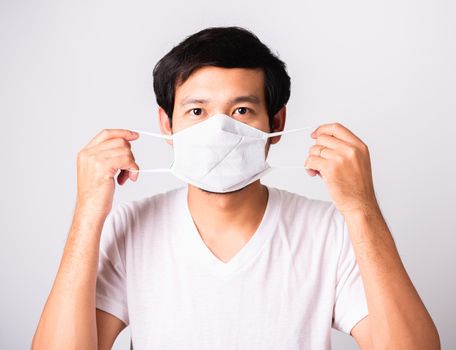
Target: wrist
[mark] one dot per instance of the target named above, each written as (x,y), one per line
(88,216)
(366,210)
(366,224)
(92,207)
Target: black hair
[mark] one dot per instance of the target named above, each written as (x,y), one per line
(225,47)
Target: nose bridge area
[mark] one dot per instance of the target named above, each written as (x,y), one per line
(220,105)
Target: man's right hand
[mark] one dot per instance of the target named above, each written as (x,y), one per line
(97,165)
(72,296)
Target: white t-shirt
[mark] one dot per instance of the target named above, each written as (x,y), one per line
(288,285)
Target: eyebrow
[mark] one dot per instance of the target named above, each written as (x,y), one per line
(247,98)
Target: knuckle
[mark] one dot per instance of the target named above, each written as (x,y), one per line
(119,142)
(97,159)
(107,178)
(99,166)
(339,159)
(126,144)
(122,141)
(351,152)
(332,166)
(82,154)
(126,158)
(106,132)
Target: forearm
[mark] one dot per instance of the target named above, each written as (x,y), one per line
(397,317)
(68,320)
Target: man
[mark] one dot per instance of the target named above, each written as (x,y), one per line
(250,268)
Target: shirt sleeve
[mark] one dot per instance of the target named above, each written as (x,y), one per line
(350,304)
(111,291)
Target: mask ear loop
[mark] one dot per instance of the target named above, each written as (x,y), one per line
(158,170)
(162,136)
(170,137)
(279,133)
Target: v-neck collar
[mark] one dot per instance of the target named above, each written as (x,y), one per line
(199,251)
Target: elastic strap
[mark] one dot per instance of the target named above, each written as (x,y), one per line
(162,136)
(278,133)
(164,170)
(272,134)
(159,170)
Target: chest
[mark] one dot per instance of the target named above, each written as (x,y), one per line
(225,248)
(183,306)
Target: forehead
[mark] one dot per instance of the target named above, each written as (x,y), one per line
(218,83)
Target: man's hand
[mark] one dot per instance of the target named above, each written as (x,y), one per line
(397,317)
(72,297)
(98,163)
(343,162)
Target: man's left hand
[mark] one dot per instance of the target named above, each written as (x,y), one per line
(343,162)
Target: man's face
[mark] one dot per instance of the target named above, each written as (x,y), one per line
(236,92)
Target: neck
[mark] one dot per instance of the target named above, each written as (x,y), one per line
(225,214)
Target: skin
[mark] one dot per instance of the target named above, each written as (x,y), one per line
(397,317)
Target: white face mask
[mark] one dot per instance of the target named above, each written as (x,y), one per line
(219,154)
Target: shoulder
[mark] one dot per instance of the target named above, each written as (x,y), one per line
(146,206)
(310,218)
(127,218)
(294,205)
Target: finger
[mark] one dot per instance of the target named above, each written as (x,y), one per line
(337,130)
(315,163)
(123,163)
(119,155)
(312,172)
(322,151)
(107,134)
(133,175)
(124,175)
(338,147)
(114,153)
(331,142)
(111,143)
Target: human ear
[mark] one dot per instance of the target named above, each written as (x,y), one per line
(278,123)
(165,124)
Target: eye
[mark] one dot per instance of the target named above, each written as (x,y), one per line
(242,110)
(196,111)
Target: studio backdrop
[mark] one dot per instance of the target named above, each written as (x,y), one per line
(384,69)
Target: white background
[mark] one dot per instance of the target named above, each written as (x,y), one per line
(385,69)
